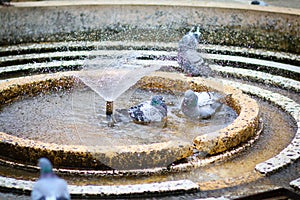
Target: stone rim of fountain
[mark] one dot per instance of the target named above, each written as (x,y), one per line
(85,157)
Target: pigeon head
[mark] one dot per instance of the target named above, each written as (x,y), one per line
(45,166)
(158,101)
(196,34)
(189,41)
(190,98)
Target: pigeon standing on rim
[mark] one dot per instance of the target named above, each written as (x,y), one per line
(149,111)
(260,3)
(49,186)
(189,60)
(201,105)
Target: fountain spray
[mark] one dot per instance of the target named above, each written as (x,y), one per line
(109,113)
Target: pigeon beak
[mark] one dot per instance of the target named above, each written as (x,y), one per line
(185,100)
(192,29)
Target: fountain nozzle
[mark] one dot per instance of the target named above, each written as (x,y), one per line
(109,113)
(109,107)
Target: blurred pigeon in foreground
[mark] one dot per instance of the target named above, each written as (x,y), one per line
(188,58)
(201,105)
(260,3)
(49,186)
(149,111)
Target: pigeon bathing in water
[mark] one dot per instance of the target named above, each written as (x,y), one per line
(49,186)
(201,105)
(149,111)
(189,60)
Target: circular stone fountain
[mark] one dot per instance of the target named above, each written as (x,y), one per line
(148,156)
(237,44)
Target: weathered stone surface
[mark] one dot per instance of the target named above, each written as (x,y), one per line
(295,184)
(257,76)
(292,152)
(224,24)
(182,186)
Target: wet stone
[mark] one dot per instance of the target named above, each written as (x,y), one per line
(162,187)
(295,184)
(283,82)
(285,157)
(15,184)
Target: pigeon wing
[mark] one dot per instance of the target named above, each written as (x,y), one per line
(137,112)
(204,98)
(152,113)
(194,57)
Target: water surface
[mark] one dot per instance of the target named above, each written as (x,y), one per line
(77,117)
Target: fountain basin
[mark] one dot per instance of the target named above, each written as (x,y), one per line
(128,157)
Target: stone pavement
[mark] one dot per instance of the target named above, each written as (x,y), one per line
(278,3)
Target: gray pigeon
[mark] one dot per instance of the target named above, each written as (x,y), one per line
(259,3)
(201,105)
(49,186)
(189,60)
(149,111)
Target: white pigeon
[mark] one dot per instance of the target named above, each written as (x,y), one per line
(189,60)
(49,186)
(149,111)
(201,105)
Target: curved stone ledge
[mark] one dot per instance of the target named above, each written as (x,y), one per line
(292,152)
(295,184)
(131,157)
(195,162)
(119,45)
(261,77)
(192,163)
(181,186)
(13,63)
(292,70)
